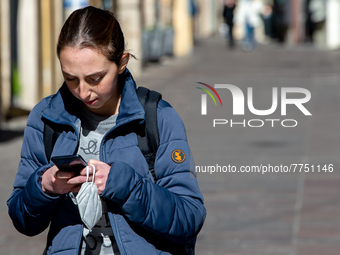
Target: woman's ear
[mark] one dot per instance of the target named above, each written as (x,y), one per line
(123,62)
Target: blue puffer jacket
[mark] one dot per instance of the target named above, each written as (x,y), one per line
(146,217)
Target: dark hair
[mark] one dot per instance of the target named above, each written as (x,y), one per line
(95,28)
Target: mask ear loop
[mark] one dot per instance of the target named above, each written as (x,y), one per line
(87,173)
(94,172)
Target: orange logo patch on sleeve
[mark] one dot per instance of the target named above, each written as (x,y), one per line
(178,156)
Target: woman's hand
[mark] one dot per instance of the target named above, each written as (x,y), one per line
(56,182)
(102,171)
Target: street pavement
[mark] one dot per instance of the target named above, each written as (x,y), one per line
(292,210)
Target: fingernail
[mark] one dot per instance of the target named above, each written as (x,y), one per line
(62,175)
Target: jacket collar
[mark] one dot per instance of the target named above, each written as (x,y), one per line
(64,108)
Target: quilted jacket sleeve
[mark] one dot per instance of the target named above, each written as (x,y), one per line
(28,206)
(173,207)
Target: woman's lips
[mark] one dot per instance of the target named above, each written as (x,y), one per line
(92,102)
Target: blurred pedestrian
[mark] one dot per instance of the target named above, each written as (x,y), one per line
(228,15)
(267,14)
(315,12)
(249,15)
(309,25)
(126,208)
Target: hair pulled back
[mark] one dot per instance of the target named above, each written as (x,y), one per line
(95,28)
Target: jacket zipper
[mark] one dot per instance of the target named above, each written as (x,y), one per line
(112,131)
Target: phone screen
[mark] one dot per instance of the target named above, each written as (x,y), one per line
(69,163)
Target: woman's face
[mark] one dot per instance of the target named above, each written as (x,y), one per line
(92,78)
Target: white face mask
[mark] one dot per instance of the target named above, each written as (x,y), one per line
(88,201)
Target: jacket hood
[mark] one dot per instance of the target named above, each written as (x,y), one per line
(64,107)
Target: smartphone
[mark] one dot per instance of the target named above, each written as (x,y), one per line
(69,163)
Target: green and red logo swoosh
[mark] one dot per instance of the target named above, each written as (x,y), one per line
(209,93)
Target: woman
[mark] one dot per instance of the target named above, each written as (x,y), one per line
(97,113)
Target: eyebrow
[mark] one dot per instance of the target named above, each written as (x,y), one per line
(93,74)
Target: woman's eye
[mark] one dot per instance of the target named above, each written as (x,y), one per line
(70,79)
(97,79)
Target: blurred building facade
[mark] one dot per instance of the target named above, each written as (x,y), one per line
(30,70)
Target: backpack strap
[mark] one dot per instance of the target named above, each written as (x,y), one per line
(148,143)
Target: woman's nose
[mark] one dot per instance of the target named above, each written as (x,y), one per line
(84,90)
